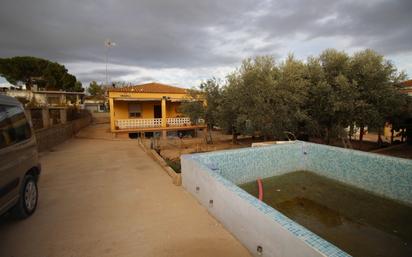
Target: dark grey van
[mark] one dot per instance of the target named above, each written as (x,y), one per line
(19,163)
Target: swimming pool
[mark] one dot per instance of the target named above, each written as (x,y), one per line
(213,177)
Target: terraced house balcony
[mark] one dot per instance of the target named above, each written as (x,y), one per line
(148,108)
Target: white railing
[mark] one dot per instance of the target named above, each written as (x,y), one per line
(138,123)
(151,123)
(176,122)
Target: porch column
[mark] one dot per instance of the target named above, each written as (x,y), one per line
(111,105)
(62,99)
(164,120)
(28,115)
(46,117)
(63,116)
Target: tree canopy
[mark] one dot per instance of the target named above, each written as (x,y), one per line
(44,73)
(321,96)
(95,89)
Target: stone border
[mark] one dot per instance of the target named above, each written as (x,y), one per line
(176,177)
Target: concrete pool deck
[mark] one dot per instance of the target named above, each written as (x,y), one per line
(108,198)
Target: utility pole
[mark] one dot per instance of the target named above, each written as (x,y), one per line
(108,44)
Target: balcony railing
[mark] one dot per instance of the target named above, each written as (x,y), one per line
(151,123)
(178,122)
(138,123)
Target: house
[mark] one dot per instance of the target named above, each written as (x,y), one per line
(47,98)
(4,87)
(407,87)
(150,107)
(95,104)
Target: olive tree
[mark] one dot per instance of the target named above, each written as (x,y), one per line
(378,94)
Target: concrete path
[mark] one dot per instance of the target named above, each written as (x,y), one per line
(108,198)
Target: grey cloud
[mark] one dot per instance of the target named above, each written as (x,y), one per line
(148,33)
(193,34)
(113,72)
(145,79)
(100,74)
(383,25)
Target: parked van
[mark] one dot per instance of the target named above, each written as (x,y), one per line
(19,163)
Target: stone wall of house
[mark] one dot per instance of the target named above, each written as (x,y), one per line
(47,138)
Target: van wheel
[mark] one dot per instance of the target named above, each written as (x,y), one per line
(28,198)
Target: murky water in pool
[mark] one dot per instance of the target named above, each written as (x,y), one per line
(358,222)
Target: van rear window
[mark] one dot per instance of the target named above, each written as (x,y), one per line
(14,127)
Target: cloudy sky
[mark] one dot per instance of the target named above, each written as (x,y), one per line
(183,42)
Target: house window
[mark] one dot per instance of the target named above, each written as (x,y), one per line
(135,110)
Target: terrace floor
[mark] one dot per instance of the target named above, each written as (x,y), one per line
(103,197)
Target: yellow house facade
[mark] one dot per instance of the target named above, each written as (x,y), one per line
(148,107)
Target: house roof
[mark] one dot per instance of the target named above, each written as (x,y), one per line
(407,83)
(151,88)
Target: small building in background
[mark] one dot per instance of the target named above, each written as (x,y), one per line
(47,98)
(96,104)
(4,87)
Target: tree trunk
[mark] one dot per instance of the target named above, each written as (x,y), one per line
(327,136)
(344,143)
(234,138)
(208,131)
(379,137)
(361,132)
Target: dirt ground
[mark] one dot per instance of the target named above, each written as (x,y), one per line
(172,148)
(401,150)
(104,197)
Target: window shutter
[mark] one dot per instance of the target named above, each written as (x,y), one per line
(133,108)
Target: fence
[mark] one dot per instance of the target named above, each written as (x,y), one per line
(52,126)
(47,117)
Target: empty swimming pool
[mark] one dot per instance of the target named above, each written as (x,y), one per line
(295,225)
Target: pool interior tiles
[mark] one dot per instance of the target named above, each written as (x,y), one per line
(389,177)
(361,223)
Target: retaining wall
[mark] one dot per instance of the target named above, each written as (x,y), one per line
(50,137)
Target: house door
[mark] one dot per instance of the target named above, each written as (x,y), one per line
(157,111)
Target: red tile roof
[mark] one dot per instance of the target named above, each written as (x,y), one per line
(407,83)
(151,88)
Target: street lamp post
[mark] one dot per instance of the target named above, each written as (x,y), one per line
(108,44)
